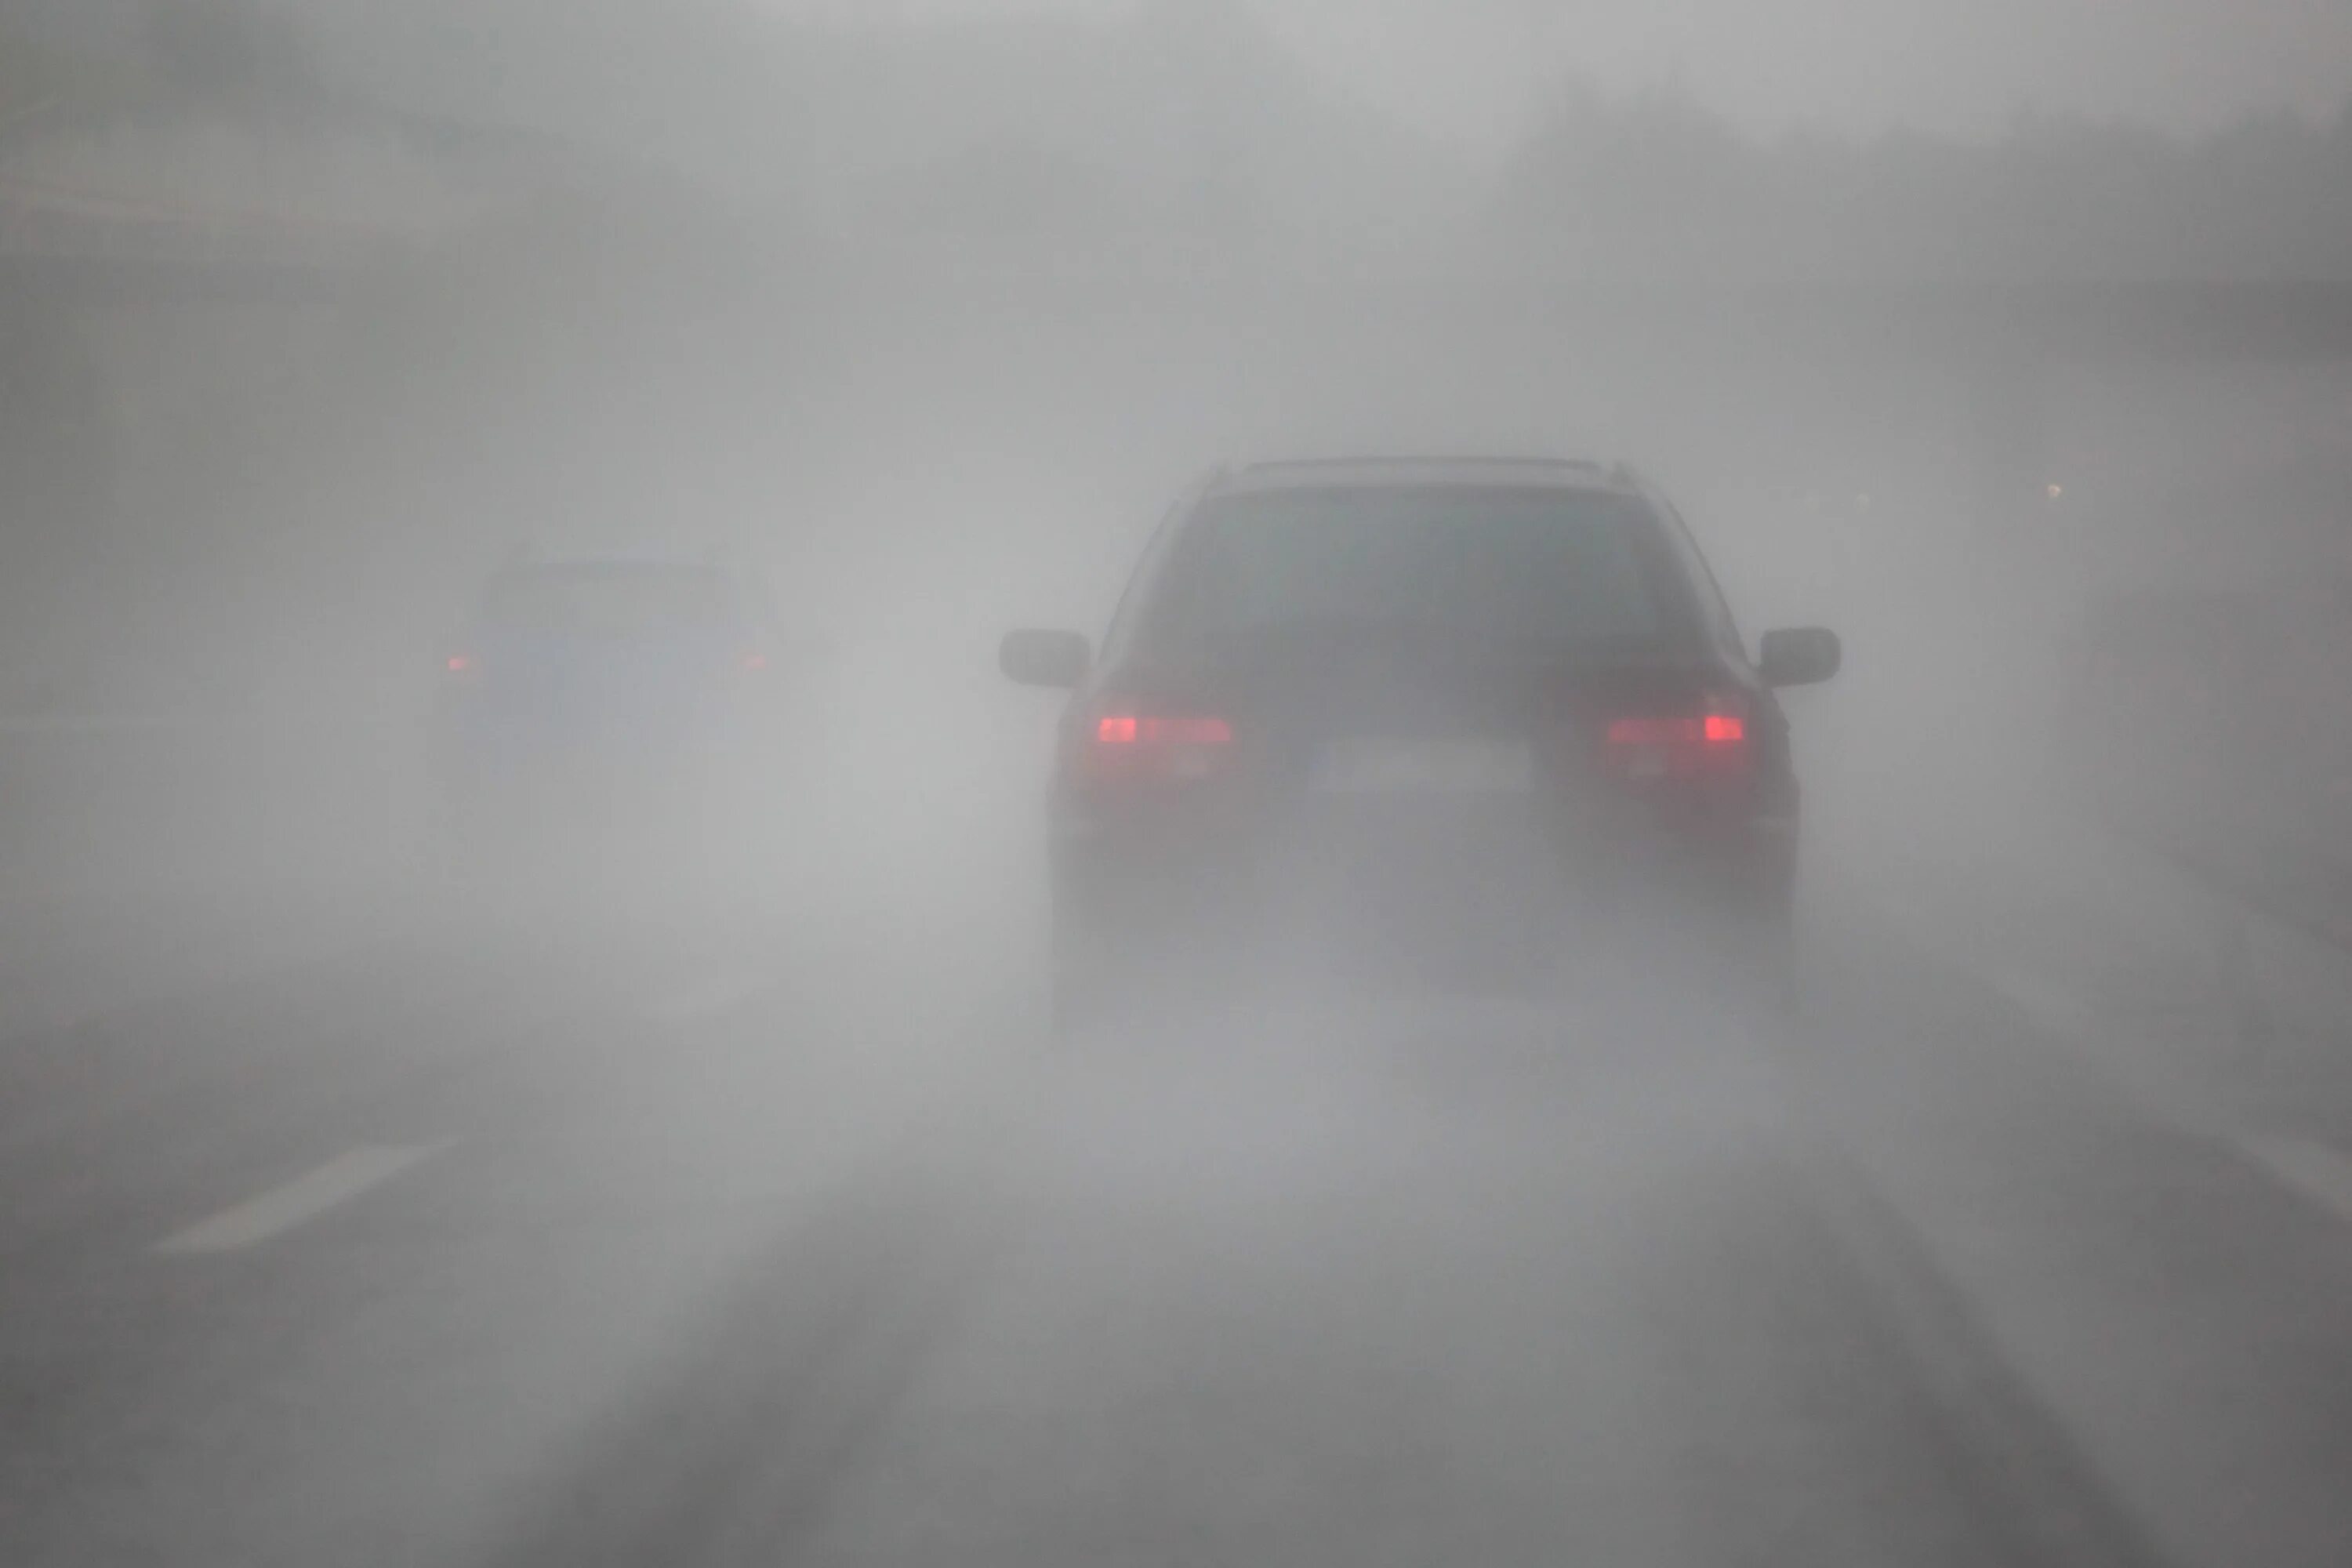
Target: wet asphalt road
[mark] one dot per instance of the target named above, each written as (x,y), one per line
(485,1247)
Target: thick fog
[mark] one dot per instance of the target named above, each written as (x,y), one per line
(2012,343)
(319,314)
(935,319)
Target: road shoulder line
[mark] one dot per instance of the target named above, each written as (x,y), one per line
(291,1204)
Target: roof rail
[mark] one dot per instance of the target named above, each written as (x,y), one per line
(1636,481)
(1424,459)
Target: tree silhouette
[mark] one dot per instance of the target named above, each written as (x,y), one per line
(1658,185)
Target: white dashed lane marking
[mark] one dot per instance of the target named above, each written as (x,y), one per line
(2050,1008)
(2304,1166)
(2315,1170)
(307,1196)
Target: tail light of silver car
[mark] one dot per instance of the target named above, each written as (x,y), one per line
(1129,743)
(1714,742)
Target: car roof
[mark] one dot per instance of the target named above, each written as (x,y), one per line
(614,563)
(1407,472)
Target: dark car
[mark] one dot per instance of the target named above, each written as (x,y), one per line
(1492,715)
(611,697)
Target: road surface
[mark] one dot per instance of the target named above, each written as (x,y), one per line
(466,1243)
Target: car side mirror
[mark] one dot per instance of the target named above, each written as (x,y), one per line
(1057,660)
(1800,656)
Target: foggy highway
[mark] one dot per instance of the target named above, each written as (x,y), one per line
(561,1006)
(690,1234)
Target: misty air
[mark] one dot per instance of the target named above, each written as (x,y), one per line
(1230,781)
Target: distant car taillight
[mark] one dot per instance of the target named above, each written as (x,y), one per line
(1709,743)
(461,667)
(1126,743)
(751,662)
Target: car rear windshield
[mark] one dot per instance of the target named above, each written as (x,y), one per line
(1543,568)
(612,601)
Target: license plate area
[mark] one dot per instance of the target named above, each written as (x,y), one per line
(1442,767)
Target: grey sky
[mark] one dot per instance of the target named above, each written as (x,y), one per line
(1475,68)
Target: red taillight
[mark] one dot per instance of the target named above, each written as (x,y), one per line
(459,664)
(752,663)
(1129,744)
(1712,741)
(1130,730)
(1704,730)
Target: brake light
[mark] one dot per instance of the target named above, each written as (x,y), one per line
(1130,730)
(460,665)
(753,662)
(1682,746)
(1132,745)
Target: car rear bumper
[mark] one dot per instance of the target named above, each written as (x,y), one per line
(1384,893)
